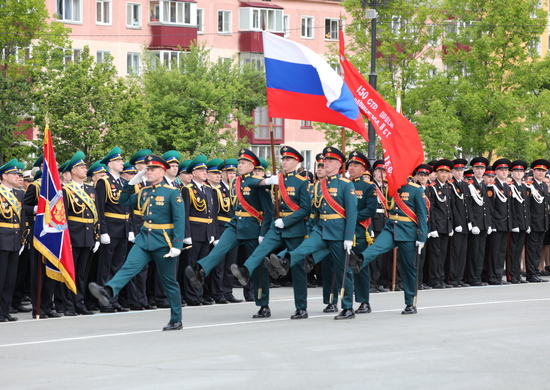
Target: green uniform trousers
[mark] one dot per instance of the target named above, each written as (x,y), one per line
(227,242)
(271,242)
(166,267)
(362,279)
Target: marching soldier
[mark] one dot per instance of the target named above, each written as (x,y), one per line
(160,238)
(288,229)
(335,209)
(253,209)
(521,221)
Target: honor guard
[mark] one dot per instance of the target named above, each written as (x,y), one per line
(335,214)
(379,267)
(185,178)
(520,205)
(96,171)
(367,203)
(114,222)
(173,158)
(80,205)
(288,229)
(422,177)
(480,219)
(537,190)
(201,210)
(12,219)
(160,238)
(253,210)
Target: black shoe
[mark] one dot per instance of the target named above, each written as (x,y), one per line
(515,281)
(456,285)
(183,303)
(10,318)
(311,285)
(274,285)
(536,280)
(173,326)
(53,314)
(272,271)
(241,273)
(108,309)
(163,305)
(264,312)
(249,299)
(356,263)
(231,298)
(299,314)
(22,309)
(281,265)
(221,301)
(150,307)
(447,285)
(12,310)
(100,293)
(373,290)
(438,286)
(478,284)
(409,309)
(70,313)
(330,309)
(309,263)
(207,301)
(462,284)
(121,309)
(426,287)
(194,303)
(363,308)
(495,282)
(195,277)
(523,281)
(84,312)
(136,308)
(346,314)
(3,319)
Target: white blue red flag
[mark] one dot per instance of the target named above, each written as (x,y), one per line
(301,85)
(51,234)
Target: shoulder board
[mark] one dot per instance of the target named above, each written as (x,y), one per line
(414,185)
(302,178)
(207,185)
(170,187)
(145,187)
(190,185)
(344,180)
(258,177)
(104,178)
(368,181)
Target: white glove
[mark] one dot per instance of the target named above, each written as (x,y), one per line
(215,242)
(475,230)
(433,234)
(419,246)
(96,246)
(490,230)
(35,209)
(211,239)
(469,226)
(187,241)
(528,231)
(131,237)
(279,223)
(372,234)
(451,233)
(458,229)
(515,230)
(137,178)
(174,252)
(273,179)
(260,239)
(348,244)
(105,239)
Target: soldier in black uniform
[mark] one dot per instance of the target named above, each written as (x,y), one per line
(520,205)
(422,176)
(377,224)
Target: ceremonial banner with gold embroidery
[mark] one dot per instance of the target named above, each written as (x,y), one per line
(51,234)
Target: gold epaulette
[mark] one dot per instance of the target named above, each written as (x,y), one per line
(170,187)
(302,178)
(414,185)
(258,177)
(344,180)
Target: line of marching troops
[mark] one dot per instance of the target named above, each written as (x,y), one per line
(160,232)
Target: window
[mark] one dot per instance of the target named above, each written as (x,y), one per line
(256,60)
(261,125)
(258,19)
(133,15)
(432,72)
(133,64)
(72,55)
(200,20)
(264,151)
(331,29)
(69,10)
(305,124)
(535,46)
(435,36)
(154,11)
(102,56)
(306,164)
(224,22)
(168,57)
(20,55)
(286,25)
(177,12)
(307,27)
(103,11)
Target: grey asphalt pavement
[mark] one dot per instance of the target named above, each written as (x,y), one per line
(461,338)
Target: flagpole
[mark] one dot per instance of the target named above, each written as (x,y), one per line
(343,139)
(372,82)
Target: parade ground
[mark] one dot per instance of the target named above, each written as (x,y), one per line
(492,337)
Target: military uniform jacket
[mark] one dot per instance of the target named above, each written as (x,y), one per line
(480,198)
(367,203)
(201,212)
(379,219)
(335,229)
(501,209)
(137,215)
(519,203)
(295,221)
(164,214)
(414,197)
(441,208)
(80,217)
(225,209)
(114,218)
(538,205)
(30,199)
(461,204)
(12,220)
(259,197)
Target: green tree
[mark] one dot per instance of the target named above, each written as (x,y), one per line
(91,109)
(29,43)
(191,103)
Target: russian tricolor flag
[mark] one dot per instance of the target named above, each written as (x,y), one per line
(301,85)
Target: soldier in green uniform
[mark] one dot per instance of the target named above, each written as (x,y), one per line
(253,209)
(335,210)
(288,229)
(406,228)
(160,238)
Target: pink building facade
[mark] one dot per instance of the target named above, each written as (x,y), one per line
(230,28)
